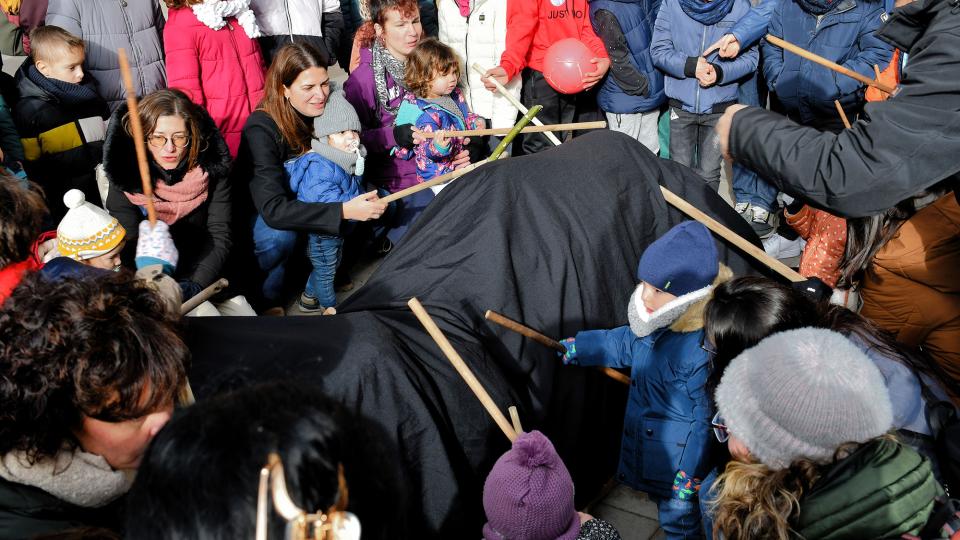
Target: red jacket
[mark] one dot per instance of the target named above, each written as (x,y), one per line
(221,70)
(534,25)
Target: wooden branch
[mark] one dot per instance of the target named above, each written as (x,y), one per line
(575,126)
(516,103)
(515,419)
(462,368)
(203,296)
(139,141)
(787,46)
(528,332)
(730,236)
(843,115)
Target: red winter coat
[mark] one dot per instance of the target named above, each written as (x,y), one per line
(221,70)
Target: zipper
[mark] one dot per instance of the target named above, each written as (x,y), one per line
(134,48)
(236,52)
(286,8)
(703,42)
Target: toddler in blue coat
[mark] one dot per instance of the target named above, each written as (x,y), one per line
(330,173)
(666,430)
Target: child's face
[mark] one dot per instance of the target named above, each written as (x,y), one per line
(109,260)
(654,299)
(348,141)
(65,65)
(442,85)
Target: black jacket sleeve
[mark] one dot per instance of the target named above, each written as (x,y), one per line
(210,265)
(333,31)
(129,215)
(622,70)
(272,197)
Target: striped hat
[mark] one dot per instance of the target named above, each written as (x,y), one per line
(87,231)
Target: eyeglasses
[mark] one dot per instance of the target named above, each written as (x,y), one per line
(180,140)
(719,426)
(707,346)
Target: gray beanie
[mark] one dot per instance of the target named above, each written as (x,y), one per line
(801,394)
(338,115)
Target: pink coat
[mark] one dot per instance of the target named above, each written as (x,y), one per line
(221,70)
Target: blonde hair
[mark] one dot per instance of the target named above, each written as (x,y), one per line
(428,60)
(47,41)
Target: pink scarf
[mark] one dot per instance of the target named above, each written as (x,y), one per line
(464,6)
(174,202)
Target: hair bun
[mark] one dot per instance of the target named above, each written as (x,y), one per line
(74,198)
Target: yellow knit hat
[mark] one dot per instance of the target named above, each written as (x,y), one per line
(87,231)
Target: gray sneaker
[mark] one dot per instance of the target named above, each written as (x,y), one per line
(763,222)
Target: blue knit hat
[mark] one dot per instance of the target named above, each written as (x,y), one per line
(682,261)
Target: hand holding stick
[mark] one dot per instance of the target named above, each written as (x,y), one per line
(462,368)
(203,296)
(515,102)
(787,46)
(139,141)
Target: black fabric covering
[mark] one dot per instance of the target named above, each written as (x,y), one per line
(552,239)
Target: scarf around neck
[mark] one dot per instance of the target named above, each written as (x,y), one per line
(817,7)
(708,13)
(352,162)
(174,201)
(214,13)
(73,476)
(67,93)
(382,63)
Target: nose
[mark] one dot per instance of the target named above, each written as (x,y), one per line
(169,146)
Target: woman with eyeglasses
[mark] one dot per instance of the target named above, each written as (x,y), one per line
(189,167)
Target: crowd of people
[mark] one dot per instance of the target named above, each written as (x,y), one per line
(755,409)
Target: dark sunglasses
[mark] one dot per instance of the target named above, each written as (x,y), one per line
(720,428)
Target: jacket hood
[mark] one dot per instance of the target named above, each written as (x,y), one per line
(119,153)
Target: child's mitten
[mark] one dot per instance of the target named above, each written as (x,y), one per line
(571,345)
(685,488)
(155,246)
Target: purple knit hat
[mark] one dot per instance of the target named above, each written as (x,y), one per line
(529,494)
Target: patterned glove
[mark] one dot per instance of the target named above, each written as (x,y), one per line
(684,488)
(571,345)
(155,246)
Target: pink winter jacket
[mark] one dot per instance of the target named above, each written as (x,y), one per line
(221,70)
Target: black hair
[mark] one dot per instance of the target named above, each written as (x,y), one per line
(200,475)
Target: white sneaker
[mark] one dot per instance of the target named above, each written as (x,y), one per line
(741,208)
(779,247)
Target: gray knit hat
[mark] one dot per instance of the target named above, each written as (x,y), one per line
(338,115)
(801,394)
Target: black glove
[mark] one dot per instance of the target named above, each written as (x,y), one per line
(403,134)
(814,289)
(189,289)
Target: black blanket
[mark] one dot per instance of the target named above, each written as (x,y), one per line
(552,240)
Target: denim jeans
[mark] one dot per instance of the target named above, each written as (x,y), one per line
(324,252)
(680,520)
(748,187)
(694,142)
(705,498)
(272,249)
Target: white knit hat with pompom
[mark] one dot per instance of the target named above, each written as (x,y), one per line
(87,231)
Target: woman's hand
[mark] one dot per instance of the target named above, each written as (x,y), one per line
(497,73)
(723,128)
(462,159)
(364,207)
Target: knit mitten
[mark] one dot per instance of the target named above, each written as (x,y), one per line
(571,345)
(684,487)
(155,246)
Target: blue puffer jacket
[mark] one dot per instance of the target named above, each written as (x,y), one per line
(753,26)
(667,424)
(315,178)
(677,42)
(635,19)
(844,35)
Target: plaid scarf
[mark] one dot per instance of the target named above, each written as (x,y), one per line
(383,63)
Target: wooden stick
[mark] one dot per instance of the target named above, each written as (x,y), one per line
(203,296)
(876,70)
(462,368)
(787,46)
(528,332)
(516,103)
(515,419)
(575,126)
(843,115)
(136,127)
(730,236)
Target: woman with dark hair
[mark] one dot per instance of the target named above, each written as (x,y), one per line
(375,89)
(89,370)
(190,165)
(280,129)
(21,216)
(332,462)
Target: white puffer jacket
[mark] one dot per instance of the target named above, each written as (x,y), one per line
(292,17)
(482,41)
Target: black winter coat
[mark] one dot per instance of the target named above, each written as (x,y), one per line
(203,237)
(908,143)
(26,512)
(62,136)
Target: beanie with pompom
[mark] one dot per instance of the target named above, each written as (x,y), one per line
(528,494)
(87,231)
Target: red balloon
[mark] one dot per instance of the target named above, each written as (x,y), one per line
(565,63)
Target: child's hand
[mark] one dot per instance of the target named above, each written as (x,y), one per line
(440,139)
(592,78)
(571,345)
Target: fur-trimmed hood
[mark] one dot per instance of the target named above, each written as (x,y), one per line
(120,156)
(692,318)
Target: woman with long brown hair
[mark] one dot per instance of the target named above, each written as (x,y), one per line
(281,128)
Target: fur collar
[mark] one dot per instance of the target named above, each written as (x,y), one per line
(682,315)
(120,161)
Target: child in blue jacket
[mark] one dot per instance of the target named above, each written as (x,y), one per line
(666,431)
(699,89)
(434,103)
(331,172)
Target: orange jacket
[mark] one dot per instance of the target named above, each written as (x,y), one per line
(826,237)
(534,25)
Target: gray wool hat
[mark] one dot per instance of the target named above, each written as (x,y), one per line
(338,115)
(801,394)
